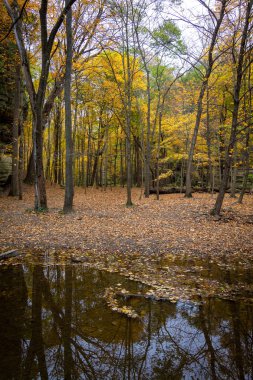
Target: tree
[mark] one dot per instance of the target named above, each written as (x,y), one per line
(69,185)
(244,25)
(15,131)
(37,97)
(123,16)
(207,73)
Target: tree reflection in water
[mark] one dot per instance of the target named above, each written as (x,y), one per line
(55,324)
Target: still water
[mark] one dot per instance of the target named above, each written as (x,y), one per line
(55,324)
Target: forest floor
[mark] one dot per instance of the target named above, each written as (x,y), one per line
(169,244)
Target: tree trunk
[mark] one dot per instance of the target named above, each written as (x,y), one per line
(115,161)
(122,179)
(48,164)
(236,97)
(245,178)
(147,160)
(21,150)
(82,161)
(188,192)
(40,201)
(221,134)
(128,162)
(29,178)
(37,99)
(158,156)
(15,147)
(208,143)
(57,145)
(69,186)
(94,171)
(128,109)
(233,174)
(247,156)
(138,162)
(88,164)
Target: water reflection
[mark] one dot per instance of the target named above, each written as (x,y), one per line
(55,324)
(226,272)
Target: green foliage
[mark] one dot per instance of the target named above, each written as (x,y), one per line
(250,179)
(168,36)
(194,75)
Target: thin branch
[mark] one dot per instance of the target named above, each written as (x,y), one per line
(15,21)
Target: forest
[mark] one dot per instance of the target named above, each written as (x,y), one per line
(126,180)
(128,93)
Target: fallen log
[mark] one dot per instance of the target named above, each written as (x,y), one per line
(172,190)
(8,254)
(176,190)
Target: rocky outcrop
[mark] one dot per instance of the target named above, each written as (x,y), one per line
(7,89)
(8,61)
(6,120)
(5,171)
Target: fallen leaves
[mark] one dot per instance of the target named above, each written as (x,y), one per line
(112,301)
(173,245)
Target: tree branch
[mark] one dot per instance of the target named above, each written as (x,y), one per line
(15,21)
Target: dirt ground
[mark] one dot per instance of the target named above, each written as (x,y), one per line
(102,223)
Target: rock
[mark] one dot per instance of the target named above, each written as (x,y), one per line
(5,169)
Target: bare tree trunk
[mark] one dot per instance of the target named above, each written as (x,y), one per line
(246,173)
(234,174)
(188,191)
(95,166)
(138,162)
(16,119)
(147,160)
(39,183)
(69,185)
(76,143)
(21,164)
(208,143)
(221,134)
(236,98)
(122,182)
(129,171)
(21,149)
(29,178)
(247,156)
(82,161)
(105,174)
(115,161)
(128,84)
(57,144)
(88,180)
(48,162)
(158,155)
(48,106)
(182,176)
(37,98)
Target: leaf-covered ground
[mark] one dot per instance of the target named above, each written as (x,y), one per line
(172,244)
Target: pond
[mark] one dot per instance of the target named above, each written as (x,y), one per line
(55,323)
